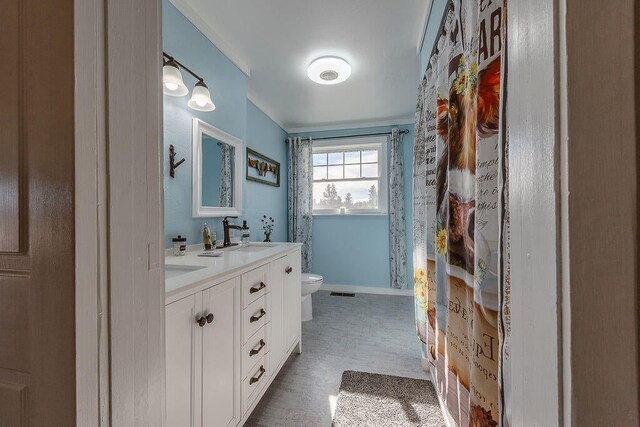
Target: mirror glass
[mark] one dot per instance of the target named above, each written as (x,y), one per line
(218,168)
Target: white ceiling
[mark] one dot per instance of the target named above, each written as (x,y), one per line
(274,41)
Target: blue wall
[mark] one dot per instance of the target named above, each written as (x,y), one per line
(266,137)
(354,249)
(233,114)
(431,32)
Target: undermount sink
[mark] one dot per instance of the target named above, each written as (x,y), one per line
(254,247)
(171,271)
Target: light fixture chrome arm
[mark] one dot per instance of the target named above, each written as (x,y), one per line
(184,67)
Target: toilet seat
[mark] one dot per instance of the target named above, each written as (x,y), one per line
(309,278)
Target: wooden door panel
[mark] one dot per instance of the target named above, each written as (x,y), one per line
(11,86)
(37,240)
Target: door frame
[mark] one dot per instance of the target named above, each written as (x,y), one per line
(119,213)
(565,340)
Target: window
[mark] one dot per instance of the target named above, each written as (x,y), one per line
(349,176)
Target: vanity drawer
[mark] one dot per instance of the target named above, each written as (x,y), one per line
(255,284)
(256,347)
(254,317)
(255,382)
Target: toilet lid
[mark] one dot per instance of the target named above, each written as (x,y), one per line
(311,278)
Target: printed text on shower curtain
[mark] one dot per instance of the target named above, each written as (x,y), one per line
(459,221)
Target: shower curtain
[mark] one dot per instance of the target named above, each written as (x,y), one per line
(460,245)
(397,233)
(300,197)
(226,176)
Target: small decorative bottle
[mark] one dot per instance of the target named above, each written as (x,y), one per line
(245,233)
(206,238)
(179,245)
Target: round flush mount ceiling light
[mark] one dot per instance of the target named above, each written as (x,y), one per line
(329,70)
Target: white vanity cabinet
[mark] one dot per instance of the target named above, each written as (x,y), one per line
(228,335)
(203,370)
(292,298)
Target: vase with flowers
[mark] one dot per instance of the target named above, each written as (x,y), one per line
(267,227)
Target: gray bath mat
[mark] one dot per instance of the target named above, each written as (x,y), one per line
(384,400)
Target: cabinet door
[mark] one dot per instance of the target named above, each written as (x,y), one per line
(183,346)
(292,298)
(277,328)
(221,355)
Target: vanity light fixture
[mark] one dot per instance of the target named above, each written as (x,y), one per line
(201,98)
(329,70)
(172,79)
(173,85)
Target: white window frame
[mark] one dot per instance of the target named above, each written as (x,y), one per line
(378,143)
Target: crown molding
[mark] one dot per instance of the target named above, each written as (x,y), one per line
(409,120)
(268,111)
(423,28)
(227,50)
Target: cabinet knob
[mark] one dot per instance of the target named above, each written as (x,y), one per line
(257,288)
(288,270)
(210,317)
(201,321)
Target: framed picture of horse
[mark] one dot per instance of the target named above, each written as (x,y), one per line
(262,169)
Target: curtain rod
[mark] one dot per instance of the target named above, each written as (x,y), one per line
(354,136)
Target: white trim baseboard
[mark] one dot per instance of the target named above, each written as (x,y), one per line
(366,290)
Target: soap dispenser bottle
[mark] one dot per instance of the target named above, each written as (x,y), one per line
(245,233)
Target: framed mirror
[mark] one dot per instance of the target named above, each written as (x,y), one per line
(217,172)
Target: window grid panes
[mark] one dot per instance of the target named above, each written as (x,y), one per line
(348,179)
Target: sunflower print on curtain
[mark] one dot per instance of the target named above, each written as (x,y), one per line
(457,229)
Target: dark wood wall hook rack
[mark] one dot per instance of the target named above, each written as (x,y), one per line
(173,165)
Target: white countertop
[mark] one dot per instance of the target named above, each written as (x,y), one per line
(202,271)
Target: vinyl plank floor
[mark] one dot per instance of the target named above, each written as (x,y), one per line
(369,333)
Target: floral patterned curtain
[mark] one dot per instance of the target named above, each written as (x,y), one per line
(397,231)
(460,254)
(226,177)
(300,197)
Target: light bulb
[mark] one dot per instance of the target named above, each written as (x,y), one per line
(171,86)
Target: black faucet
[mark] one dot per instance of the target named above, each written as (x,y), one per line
(226,226)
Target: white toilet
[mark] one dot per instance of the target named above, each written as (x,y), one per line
(310,284)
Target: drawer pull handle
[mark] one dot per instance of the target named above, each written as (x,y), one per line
(210,317)
(255,318)
(255,351)
(256,379)
(257,288)
(201,321)
(288,270)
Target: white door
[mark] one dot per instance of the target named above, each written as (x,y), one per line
(292,298)
(220,354)
(277,325)
(183,344)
